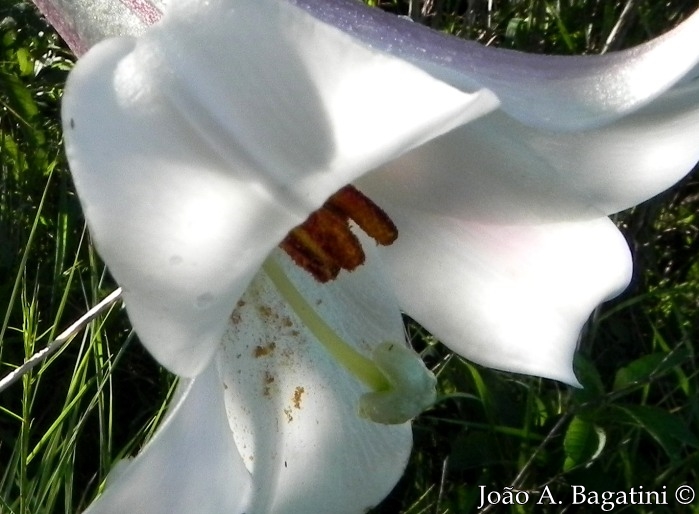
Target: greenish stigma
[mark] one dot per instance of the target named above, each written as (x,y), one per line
(400,383)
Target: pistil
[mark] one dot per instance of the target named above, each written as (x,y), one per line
(400,384)
(353,361)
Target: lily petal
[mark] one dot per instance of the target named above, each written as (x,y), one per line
(509,297)
(167,476)
(581,91)
(549,92)
(200,169)
(294,411)
(498,170)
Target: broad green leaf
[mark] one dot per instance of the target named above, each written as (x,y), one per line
(17,99)
(644,367)
(587,374)
(25,62)
(583,442)
(668,430)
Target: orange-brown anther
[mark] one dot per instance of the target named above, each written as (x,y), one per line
(365,213)
(323,270)
(324,244)
(332,235)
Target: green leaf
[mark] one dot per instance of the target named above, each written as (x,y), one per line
(589,377)
(25,62)
(513,28)
(643,368)
(669,431)
(583,443)
(19,99)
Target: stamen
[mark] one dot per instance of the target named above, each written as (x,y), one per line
(324,244)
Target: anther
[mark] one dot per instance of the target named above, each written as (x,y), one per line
(365,213)
(323,270)
(324,244)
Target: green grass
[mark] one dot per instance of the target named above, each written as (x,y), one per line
(64,424)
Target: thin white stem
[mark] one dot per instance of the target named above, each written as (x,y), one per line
(63,338)
(617,30)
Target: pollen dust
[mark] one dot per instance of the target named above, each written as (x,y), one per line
(298,393)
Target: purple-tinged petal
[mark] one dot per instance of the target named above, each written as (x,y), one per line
(550,92)
(83,23)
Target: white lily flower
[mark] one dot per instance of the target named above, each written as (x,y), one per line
(198,146)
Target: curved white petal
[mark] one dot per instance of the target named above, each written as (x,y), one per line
(297,98)
(198,146)
(510,297)
(294,410)
(498,170)
(550,92)
(190,466)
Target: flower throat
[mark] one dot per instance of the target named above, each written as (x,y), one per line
(324,244)
(400,385)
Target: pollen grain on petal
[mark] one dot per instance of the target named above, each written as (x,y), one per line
(264,351)
(298,394)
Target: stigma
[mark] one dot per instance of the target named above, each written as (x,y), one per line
(324,244)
